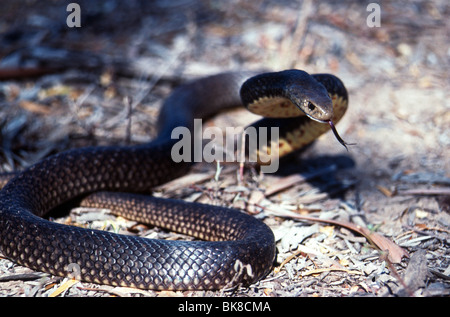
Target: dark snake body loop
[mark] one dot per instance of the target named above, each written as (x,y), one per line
(241,250)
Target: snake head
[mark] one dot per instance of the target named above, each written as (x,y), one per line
(319,111)
(264,94)
(313,99)
(310,96)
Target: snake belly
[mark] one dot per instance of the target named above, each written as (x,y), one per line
(240,250)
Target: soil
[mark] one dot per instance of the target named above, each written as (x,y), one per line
(103,82)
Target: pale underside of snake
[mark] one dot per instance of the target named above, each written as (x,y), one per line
(240,249)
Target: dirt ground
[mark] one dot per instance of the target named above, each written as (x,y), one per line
(103,83)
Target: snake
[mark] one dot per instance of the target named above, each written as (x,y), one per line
(233,248)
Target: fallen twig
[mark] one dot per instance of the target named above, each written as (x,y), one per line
(424,191)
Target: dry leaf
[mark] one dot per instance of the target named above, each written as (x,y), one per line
(63,287)
(35,107)
(394,252)
(386,192)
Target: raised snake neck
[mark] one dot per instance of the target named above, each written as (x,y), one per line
(108,258)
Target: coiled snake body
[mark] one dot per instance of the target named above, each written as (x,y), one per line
(241,250)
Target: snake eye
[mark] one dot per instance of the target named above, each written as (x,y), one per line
(311,106)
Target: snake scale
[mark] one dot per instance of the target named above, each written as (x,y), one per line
(240,250)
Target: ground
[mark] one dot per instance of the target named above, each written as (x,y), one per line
(103,83)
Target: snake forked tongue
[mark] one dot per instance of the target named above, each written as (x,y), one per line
(336,134)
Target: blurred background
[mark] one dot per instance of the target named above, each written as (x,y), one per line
(395,73)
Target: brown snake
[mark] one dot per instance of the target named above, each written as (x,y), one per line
(242,248)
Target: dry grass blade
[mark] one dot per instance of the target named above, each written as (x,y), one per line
(63,287)
(425,191)
(21,277)
(318,271)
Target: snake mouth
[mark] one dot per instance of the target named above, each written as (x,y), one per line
(316,119)
(321,114)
